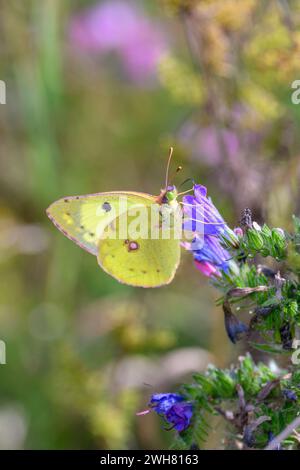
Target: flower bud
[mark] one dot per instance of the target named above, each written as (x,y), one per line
(230,238)
(255,239)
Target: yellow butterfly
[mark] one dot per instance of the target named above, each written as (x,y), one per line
(94,222)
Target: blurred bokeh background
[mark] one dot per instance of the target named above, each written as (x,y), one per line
(96,92)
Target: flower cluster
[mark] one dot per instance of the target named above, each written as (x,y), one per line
(205,221)
(244,395)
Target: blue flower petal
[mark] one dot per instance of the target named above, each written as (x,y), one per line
(179,415)
(203,218)
(161,402)
(174,409)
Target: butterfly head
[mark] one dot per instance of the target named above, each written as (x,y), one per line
(171,193)
(167,195)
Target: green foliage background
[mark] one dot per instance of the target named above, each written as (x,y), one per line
(84,353)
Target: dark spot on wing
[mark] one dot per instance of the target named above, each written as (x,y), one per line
(77,197)
(68,213)
(66,200)
(82,227)
(158,270)
(92,234)
(106,206)
(144,272)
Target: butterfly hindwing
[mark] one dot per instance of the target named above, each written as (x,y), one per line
(139,261)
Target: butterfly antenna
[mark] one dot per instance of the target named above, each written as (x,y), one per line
(178,169)
(168,166)
(147,385)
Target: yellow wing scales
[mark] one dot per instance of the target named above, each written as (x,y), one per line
(154,264)
(140,262)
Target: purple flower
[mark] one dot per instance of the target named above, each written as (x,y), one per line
(123,28)
(211,252)
(173,407)
(202,215)
(162,402)
(238,231)
(204,220)
(289,394)
(209,146)
(179,415)
(207,268)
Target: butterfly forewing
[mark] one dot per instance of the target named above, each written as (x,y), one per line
(83,218)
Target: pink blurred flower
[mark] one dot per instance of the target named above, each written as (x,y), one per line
(123,28)
(210,147)
(207,268)
(205,143)
(234,153)
(238,231)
